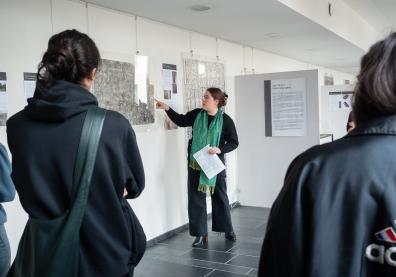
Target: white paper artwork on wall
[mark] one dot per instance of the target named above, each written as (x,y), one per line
(3,98)
(169,84)
(116,88)
(169,88)
(340,100)
(285,107)
(198,75)
(29,84)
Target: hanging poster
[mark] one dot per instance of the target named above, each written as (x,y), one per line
(169,84)
(169,87)
(340,100)
(3,98)
(200,73)
(285,107)
(29,84)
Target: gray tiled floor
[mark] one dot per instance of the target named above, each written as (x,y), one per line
(175,257)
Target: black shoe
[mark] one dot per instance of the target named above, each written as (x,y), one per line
(200,241)
(230,236)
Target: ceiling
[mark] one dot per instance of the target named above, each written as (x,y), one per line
(379,13)
(252,23)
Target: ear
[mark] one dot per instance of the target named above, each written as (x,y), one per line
(92,75)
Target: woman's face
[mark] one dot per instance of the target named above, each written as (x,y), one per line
(208,102)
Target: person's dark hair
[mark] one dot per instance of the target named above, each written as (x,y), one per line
(375,92)
(217,94)
(71,56)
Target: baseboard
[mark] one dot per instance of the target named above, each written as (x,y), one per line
(181,228)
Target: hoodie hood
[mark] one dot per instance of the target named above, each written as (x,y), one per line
(60,102)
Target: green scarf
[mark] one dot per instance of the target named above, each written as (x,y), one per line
(202,136)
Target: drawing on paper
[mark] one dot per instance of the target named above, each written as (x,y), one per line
(199,75)
(115,89)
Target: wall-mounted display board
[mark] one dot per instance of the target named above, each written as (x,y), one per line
(285,107)
(3,98)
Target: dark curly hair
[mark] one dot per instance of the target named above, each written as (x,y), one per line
(71,56)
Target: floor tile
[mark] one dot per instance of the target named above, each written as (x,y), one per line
(218,273)
(248,261)
(207,264)
(159,268)
(175,257)
(246,248)
(209,255)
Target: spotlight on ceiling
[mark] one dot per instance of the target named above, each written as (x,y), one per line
(273,35)
(199,8)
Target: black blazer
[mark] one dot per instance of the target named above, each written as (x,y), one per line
(335,215)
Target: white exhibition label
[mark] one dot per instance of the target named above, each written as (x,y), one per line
(29,84)
(288,107)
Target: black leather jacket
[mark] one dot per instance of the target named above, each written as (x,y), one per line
(335,215)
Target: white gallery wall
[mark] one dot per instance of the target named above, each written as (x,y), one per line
(25,27)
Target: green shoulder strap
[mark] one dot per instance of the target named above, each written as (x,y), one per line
(87,149)
(51,247)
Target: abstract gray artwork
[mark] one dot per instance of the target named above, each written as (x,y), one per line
(114,89)
(198,76)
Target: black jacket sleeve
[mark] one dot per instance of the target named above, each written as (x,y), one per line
(183,120)
(135,179)
(283,252)
(230,135)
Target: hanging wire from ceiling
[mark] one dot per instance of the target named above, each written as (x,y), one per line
(253,71)
(217,49)
(244,60)
(52,16)
(87,16)
(136,35)
(190,41)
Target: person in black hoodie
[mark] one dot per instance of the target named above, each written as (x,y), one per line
(336,213)
(43,139)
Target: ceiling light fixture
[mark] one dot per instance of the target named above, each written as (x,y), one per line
(273,35)
(312,49)
(199,8)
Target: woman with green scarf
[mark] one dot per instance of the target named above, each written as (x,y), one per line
(210,126)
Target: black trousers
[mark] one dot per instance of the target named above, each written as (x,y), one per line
(197,215)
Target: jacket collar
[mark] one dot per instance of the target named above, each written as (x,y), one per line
(379,126)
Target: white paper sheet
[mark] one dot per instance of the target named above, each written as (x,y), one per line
(29,84)
(288,106)
(210,164)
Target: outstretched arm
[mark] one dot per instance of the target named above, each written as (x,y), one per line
(181,120)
